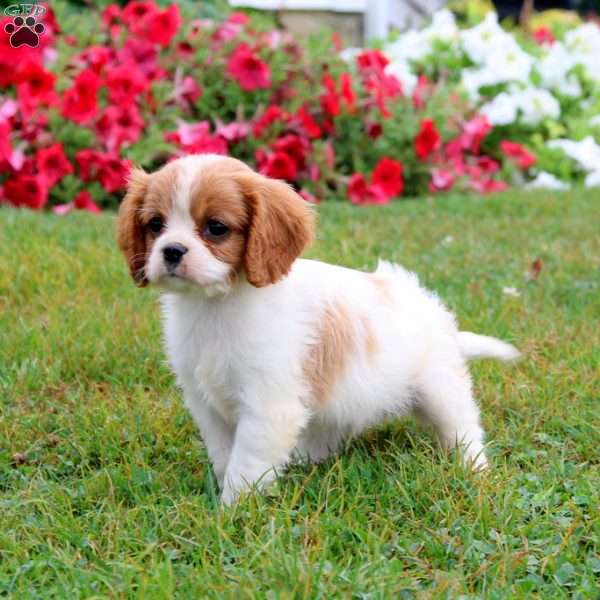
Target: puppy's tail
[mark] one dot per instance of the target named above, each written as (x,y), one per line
(482,346)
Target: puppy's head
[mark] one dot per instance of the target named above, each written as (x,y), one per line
(201,220)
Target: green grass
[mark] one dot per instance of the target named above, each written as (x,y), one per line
(106,491)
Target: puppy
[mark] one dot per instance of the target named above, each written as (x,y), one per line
(280,357)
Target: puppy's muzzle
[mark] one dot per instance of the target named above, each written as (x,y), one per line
(173,253)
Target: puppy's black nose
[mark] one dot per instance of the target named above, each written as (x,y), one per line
(173,254)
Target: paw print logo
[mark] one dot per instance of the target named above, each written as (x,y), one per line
(24,32)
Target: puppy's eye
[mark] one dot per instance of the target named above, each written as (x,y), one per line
(156,224)
(215,229)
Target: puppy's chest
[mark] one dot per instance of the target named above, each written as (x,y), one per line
(212,362)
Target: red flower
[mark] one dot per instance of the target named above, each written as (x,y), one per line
(487,164)
(248,69)
(111,15)
(359,192)
(113,172)
(94,57)
(428,139)
(372,60)
(163,25)
(26,190)
(120,124)
(519,153)
(88,161)
(84,201)
(5,145)
(388,176)
(35,86)
(80,102)
(125,83)
(487,185)
(348,94)
(273,114)
(294,146)
(543,36)
(309,125)
(136,12)
(52,164)
(278,165)
(330,100)
(474,132)
(196,138)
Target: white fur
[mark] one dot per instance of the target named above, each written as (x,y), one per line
(238,358)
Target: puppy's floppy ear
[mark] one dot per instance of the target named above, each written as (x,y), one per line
(130,234)
(281,226)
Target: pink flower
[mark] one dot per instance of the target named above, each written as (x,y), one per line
(52,164)
(388,176)
(120,124)
(196,138)
(248,69)
(427,140)
(441,179)
(474,132)
(518,153)
(234,131)
(187,91)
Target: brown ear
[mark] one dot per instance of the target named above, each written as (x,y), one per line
(281,226)
(130,234)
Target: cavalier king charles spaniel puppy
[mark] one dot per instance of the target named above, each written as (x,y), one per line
(281,358)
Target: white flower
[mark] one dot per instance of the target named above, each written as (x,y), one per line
(593,179)
(554,70)
(483,40)
(584,43)
(349,54)
(401,70)
(535,105)
(412,45)
(586,152)
(509,63)
(443,27)
(501,110)
(547,181)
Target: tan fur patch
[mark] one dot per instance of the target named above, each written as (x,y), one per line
(328,357)
(370,339)
(216,195)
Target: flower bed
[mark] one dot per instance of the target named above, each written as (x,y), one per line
(435,110)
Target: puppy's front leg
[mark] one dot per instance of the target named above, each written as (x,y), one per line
(263,443)
(217,435)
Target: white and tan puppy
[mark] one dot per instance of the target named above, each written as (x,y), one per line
(280,357)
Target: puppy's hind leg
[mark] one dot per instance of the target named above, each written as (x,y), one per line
(446,401)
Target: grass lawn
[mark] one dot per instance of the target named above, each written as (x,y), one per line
(106,491)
